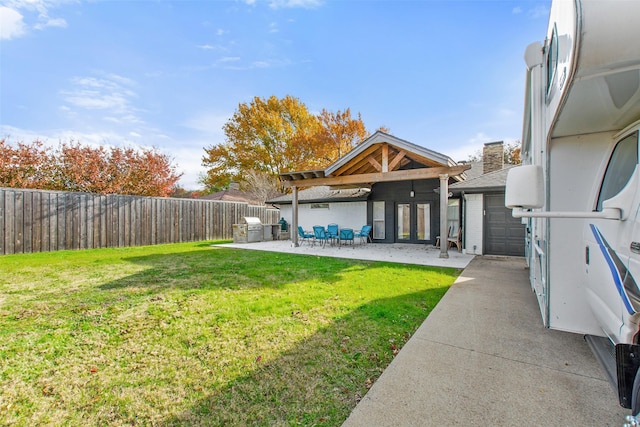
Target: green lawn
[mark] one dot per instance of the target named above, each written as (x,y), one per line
(190,334)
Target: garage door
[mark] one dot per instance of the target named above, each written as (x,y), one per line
(503,234)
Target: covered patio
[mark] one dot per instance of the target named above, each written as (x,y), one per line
(403,192)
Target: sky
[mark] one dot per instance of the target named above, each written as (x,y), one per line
(445,75)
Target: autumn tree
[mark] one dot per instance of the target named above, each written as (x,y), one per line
(271,136)
(512,153)
(274,135)
(338,134)
(180,192)
(25,165)
(74,167)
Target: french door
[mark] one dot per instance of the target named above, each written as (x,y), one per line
(413,222)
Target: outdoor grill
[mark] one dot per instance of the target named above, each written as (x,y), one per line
(249,230)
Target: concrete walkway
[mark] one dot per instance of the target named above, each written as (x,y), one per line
(483,358)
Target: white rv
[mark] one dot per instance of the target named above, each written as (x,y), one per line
(579,190)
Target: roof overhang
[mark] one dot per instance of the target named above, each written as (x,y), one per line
(379,158)
(371,178)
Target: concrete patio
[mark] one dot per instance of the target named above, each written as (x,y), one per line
(396,252)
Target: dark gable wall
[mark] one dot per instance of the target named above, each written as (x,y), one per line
(393,192)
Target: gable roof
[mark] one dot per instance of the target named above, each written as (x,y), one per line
(495,180)
(379,157)
(400,151)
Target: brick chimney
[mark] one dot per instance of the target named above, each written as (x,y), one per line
(492,156)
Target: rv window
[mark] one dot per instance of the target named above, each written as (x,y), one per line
(552,59)
(621,165)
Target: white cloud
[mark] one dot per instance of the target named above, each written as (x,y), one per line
(213,47)
(472,147)
(46,22)
(189,161)
(539,11)
(290,4)
(209,124)
(11,23)
(17,15)
(109,92)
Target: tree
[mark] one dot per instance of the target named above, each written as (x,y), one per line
(512,153)
(261,186)
(271,136)
(25,165)
(179,192)
(274,135)
(73,167)
(339,134)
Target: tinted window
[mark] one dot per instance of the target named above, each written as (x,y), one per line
(621,165)
(552,58)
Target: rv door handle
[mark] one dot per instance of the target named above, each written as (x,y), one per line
(586,254)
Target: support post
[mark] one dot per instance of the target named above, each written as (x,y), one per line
(294,218)
(444,205)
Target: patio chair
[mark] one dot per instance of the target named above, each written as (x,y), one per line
(364,234)
(346,235)
(304,235)
(332,229)
(457,240)
(437,245)
(320,235)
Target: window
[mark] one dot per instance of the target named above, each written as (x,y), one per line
(404,221)
(453,216)
(424,221)
(621,165)
(319,205)
(378,220)
(552,59)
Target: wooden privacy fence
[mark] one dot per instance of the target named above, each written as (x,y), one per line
(38,221)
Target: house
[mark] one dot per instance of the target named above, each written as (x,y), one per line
(488,227)
(409,210)
(385,181)
(234,194)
